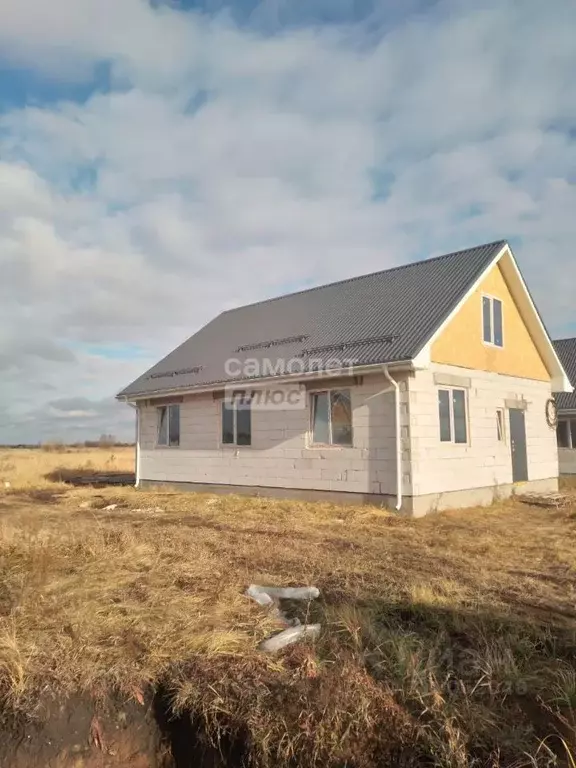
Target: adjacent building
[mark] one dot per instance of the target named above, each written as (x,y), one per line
(566,405)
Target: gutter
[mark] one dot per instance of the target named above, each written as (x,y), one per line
(311,375)
(394,383)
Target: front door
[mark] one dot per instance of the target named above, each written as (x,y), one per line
(518,445)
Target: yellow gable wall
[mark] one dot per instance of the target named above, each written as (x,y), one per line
(460,343)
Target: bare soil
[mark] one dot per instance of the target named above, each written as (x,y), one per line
(80,733)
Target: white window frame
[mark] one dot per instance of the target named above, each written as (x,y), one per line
(452,440)
(330,444)
(234,408)
(491,299)
(169,412)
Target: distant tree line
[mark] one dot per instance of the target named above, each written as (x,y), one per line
(58,446)
(104,441)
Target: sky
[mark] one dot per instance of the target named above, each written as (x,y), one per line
(161,162)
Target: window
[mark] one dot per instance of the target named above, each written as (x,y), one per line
(236,422)
(452,412)
(332,417)
(566,433)
(169,425)
(492,321)
(500,425)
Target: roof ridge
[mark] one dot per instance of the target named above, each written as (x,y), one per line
(368,274)
(566,338)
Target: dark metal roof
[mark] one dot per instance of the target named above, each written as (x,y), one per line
(384,317)
(566,351)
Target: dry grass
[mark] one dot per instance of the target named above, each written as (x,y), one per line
(448,641)
(36,468)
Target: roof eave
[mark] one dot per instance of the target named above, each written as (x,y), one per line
(311,376)
(567,411)
(561,383)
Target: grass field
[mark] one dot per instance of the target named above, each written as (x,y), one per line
(448,641)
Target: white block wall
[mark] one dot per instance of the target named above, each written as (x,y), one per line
(442,467)
(280,454)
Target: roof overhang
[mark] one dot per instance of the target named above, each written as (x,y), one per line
(567,412)
(519,290)
(359,370)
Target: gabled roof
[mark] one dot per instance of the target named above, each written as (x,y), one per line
(398,308)
(566,350)
(383,318)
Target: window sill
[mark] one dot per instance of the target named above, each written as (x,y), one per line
(451,444)
(167,447)
(492,345)
(327,447)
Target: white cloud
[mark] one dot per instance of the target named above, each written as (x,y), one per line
(58,414)
(69,37)
(225,166)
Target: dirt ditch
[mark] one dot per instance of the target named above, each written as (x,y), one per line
(83,733)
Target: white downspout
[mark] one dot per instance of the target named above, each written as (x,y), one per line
(137,463)
(398,437)
(137,446)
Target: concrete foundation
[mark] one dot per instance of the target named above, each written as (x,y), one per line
(412,506)
(477,497)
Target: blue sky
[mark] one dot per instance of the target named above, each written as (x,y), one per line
(160,163)
(21,86)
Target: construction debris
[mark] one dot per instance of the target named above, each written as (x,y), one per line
(269,597)
(97,480)
(289,636)
(553,500)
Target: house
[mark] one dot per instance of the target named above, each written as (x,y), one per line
(566,405)
(422,387)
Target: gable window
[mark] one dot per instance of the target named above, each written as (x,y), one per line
(236,422)
(168,425)
(566,433)
(452,413)
(332,417)
(492,321)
